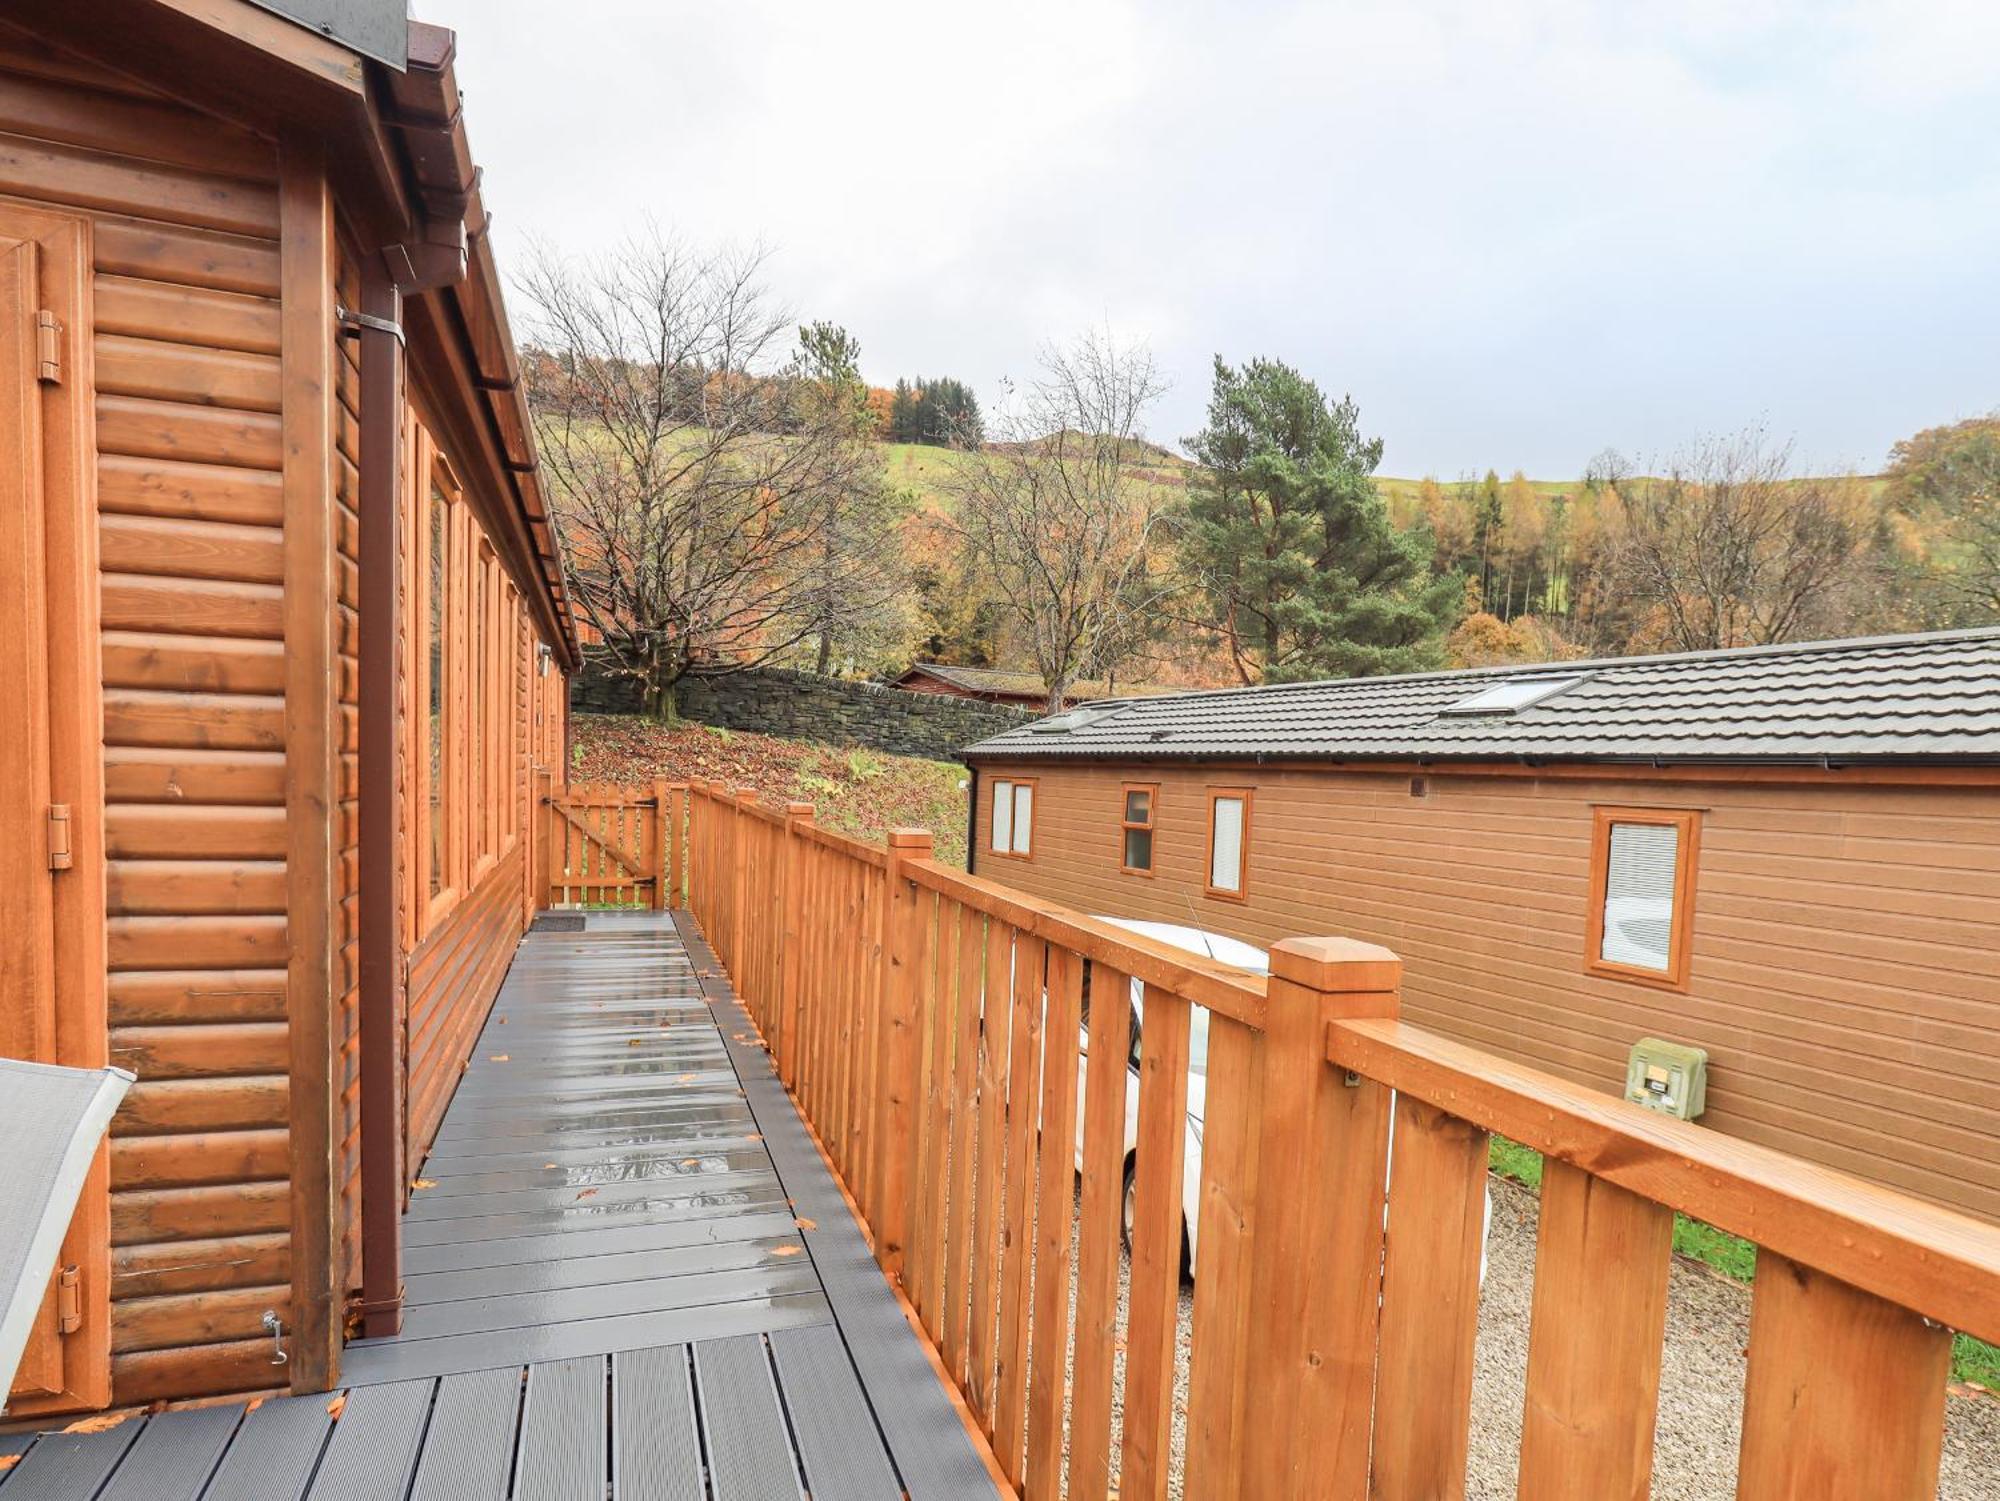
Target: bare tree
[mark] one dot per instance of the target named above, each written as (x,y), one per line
(703,483)
(1057,514)
(1729,548)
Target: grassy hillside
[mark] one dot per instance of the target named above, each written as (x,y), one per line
(859,792)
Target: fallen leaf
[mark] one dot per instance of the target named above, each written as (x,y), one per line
(754,1136)
(690,1162)
(586,1193)
(685,1079)
(8,1461)
(805,1224)
(503,1021)
(498,1058)
(548,1164)
(786,1250)
(633,1042)
(252,1405)
(337,1406)
(424,1183)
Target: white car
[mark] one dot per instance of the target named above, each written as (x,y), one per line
(1227,951)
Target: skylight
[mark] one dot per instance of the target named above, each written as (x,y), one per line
(1512,695)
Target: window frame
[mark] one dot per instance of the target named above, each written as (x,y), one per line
(1680,933)
(1013,823)
(1220,893)
(1151,826)
(440,555)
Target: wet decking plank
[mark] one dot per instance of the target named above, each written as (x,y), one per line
(740,1413)
(174,1456)
(70,1466)
(274,1453)
(658,1453)
(830,1418)
(562,1455)
(469,1450)
(375,1444)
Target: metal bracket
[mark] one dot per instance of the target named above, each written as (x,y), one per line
(354,323)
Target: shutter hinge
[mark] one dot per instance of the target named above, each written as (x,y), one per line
(69,1301)
(48,347)
(59,836)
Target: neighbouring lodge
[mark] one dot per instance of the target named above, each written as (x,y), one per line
(286,638)
(1788,856)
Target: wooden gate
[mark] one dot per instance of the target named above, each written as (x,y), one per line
(606,844)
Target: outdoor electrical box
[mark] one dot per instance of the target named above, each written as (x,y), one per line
(1669,1077)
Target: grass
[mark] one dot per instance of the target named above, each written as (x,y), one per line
(1736,1258)
(859,792)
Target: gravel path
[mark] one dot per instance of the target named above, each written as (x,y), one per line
(1701,1379)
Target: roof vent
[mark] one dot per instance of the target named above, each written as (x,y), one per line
(1512,695)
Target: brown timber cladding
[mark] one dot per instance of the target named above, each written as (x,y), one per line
(184,217)
(184,222)
(1844,976)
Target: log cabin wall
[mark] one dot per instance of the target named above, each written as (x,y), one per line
(183,215)
(230,824)
(1843,977)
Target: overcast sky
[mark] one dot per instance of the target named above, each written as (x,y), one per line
(1517,231)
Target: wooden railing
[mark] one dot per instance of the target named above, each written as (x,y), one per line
(928,1021)
(607,844)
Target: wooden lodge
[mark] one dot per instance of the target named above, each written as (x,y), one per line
(1798,849)
(286,638)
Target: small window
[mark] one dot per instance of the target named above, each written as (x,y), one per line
(1228,840)
(1135,855)
(1642,894)
(1013,818)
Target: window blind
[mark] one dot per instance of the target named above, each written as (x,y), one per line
(1225,853)
(1639,895)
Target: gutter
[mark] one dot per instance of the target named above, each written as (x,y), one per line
(971,819)
(445,252)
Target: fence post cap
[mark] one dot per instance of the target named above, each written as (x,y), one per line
(1336,964)
(798,810)
(909,839)
(746,795)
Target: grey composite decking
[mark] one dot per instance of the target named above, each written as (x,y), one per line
(608,1295)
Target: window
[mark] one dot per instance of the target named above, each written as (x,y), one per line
(1228,840)
(1013,818)
(1135,854)
(1642,865)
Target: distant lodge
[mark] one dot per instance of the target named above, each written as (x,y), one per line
(1787,856)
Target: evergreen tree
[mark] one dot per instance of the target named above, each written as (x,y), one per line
(903,414)
(1289,539)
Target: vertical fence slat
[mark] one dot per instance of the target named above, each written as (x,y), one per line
(989,1190)
(1024,1079)
(1845,1394)
(1430,1304)
(1047,1381)
(1102,1214)
(964,1147)
(1158,1160)
(1226,1221)
(901,1052)
(1600,1313)
(940,1026)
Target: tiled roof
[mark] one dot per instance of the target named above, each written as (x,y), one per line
(1897,698)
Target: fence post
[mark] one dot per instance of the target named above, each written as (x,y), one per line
(676,811)
(538,839)
(1316,1255)
(902,996)
(657,851)
(792,949)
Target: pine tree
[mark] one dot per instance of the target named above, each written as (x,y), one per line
(1289,539)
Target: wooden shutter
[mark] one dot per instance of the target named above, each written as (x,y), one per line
(51,773)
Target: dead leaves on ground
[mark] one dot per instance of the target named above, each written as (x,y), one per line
(337,1406)
(416,1183)
(497,1058)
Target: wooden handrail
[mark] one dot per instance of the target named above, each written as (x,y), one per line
(1943,1265)
(1220,987)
